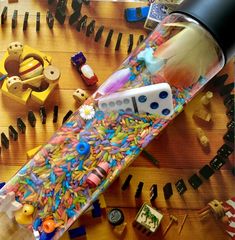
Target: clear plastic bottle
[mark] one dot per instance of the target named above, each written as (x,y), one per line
(110,129)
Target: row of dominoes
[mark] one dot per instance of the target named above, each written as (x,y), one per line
(81,24)
(21,126)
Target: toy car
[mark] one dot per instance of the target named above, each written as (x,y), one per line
(136,14)
(88,75)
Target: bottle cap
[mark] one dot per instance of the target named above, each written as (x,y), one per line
(218,17)
(115,217)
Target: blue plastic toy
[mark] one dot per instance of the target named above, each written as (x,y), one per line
(77,232)
(136,14)
(83,148)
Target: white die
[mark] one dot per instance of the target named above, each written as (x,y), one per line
(80,95)
(15,49)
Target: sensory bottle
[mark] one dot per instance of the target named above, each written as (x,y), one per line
(112,127)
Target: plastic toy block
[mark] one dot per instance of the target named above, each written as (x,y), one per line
(20,53)
(77,232)
(21,98)
(30,153)
(136,14)
(102,202)
(147,220)
(41,97)
(96,211)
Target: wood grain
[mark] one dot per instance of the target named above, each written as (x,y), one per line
(177,148)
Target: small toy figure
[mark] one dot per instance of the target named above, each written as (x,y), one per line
(27,69)
(203,139)
(147,219)
(24,216)
(9,205)
(87,74)
(80,95)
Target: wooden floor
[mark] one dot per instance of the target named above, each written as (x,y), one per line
(177,148)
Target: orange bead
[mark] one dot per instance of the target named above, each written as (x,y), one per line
(48,226)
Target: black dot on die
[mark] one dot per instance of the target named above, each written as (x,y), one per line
(154,105)
(142,98)
(163,94)
(165,111)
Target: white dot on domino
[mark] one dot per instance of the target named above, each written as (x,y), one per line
(152,99)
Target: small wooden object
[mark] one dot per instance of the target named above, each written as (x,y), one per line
(202,114)
(206,99)
(172,220)
(203,139)
(215,207)
(182,224)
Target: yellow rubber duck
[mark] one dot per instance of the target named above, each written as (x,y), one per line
(24,215)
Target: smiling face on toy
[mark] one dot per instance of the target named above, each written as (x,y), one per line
(15,49)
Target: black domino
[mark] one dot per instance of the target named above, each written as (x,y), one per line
(219,80)
(4,141)
(139,190)
(14,19)
(13,133)
(76,5)
(81,25)
(21,125)
(90,28)
(206,171)
(99,33)
(60,15)
(38,17)
(4,15)
(140,39)
(195,181)
(130,43)
(50,20)
(118,43)
(126,182)
(67,116)
(55,114)
(226,89)
(31,118)
(217,162)
(43,115)
(180,186)
(25,24)
(167,190)
(225,150)
(109,38)
(229,136)
(230,125)
(74,17)
(153,192)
